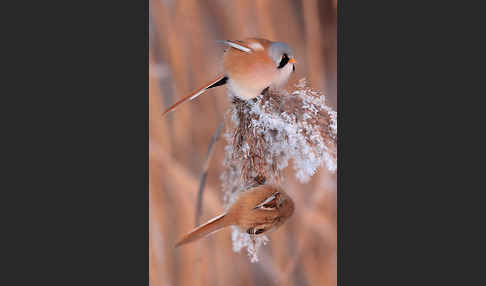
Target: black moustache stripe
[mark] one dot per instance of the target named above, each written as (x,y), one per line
(284,61)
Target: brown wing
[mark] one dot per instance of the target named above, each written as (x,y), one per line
(270,203)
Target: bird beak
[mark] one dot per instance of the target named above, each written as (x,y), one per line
(292,60)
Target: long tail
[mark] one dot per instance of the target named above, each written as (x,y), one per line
(220,80)
(204,230)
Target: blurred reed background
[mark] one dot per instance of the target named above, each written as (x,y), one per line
(183,56)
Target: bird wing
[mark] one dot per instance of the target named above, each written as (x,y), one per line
(269,204)
(237,45)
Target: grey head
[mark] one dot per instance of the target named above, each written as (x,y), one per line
(281,54)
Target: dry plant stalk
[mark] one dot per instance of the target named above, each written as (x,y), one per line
(268,131)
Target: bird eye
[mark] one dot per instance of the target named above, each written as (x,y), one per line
(285,59)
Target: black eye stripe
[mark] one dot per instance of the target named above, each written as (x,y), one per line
(284,61)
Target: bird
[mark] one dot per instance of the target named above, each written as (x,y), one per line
(257,210)
(251,67)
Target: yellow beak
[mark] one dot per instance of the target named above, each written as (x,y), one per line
(292,60)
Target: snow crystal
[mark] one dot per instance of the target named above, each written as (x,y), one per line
(241,239)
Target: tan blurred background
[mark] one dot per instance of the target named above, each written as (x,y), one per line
(183,56)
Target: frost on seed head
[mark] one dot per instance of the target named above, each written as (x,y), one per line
(242,239)
(265,133)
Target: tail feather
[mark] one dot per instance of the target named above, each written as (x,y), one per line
(220,80)
(203,230)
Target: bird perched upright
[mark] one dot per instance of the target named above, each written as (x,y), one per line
(255,211)
(250,67)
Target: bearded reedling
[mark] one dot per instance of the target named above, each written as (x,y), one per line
(256,211)
(251,67)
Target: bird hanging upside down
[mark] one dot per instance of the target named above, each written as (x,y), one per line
(255,211)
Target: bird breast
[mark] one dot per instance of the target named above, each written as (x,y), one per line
(249,73)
